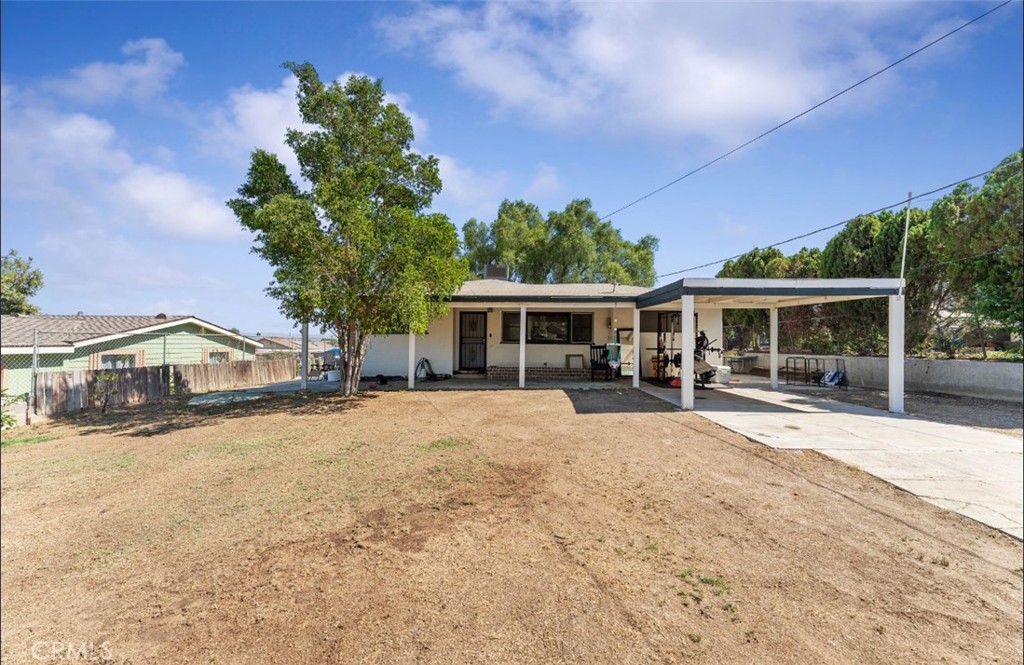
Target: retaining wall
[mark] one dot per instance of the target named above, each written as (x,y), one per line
(972,378)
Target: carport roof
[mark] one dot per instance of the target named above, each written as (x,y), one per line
(761,293)
(725,293)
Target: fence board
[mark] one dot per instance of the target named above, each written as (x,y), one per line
(62,392)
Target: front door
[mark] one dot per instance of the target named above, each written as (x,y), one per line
(472,341)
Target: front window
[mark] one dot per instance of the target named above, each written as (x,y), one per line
(117,361)
(217,357)
(549,327)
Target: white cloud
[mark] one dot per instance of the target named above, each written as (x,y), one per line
(472,193)
(259,118)
(74,167)
(545,183)
(665,69)
(252,118)
(144,75)
(173,203)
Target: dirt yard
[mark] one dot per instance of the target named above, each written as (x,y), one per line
(458,527)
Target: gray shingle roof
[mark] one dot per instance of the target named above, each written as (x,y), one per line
(65,330)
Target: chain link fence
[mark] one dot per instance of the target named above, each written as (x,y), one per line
(24,368)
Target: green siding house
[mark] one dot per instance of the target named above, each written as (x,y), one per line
(111,342)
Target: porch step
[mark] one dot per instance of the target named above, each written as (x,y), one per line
(469,375)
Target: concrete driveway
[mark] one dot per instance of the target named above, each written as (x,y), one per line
(977,473)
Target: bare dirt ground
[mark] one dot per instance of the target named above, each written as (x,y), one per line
(990,414)
(460,527)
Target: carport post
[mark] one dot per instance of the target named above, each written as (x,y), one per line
(304,363)
(773,346)
(412,360)
(637,355)
(686,350)
(896,307)
(522,346)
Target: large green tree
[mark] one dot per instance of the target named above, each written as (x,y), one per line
(744,326)
(872,246)
(568,246)
(19,281)
(981,241)
(355,252)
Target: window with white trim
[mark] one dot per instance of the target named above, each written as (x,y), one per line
(549,327)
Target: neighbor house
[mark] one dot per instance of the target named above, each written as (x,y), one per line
(509,330)
(276,346)
(86,342)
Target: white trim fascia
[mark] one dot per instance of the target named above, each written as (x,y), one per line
(515,305)
(737,283)
(167,324)
(27,350)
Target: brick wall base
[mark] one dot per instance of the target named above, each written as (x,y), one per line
(512,373)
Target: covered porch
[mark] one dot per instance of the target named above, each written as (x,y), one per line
(542,333)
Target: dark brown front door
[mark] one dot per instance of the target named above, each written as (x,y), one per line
(472,341)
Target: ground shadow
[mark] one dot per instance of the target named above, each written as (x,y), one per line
(616,401)
(174,413)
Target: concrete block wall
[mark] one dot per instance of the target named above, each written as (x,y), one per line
(970,378)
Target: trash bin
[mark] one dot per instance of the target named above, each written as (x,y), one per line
(333,375)
(723,374)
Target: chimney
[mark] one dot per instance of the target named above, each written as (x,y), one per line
(494,271)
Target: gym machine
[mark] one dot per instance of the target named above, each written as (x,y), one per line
(666,364)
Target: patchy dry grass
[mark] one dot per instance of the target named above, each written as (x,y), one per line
(472,526)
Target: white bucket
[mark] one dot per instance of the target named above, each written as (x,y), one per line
(723,374)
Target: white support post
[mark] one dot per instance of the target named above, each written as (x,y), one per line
(686,370)
(896,341)
(637,355)
(304,380)
(412,361)
(773,345)
(522,346)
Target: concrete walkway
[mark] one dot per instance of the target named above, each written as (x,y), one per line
(977,473)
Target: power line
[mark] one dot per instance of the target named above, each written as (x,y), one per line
(998,250)
(802,114)
(834,226)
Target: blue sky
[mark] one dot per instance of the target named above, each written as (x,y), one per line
(125,126)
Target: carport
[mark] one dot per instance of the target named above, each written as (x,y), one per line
(772,294)
(500,301)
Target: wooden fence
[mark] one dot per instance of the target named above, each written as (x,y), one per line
(63,392)
(228,376)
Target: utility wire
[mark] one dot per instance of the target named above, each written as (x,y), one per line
(802,114)
(833,226)
(998,250)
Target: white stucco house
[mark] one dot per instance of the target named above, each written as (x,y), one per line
(515,331)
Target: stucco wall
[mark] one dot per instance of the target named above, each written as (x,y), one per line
(389,354)
(992,380)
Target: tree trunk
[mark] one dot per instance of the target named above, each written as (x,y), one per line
(352,347)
